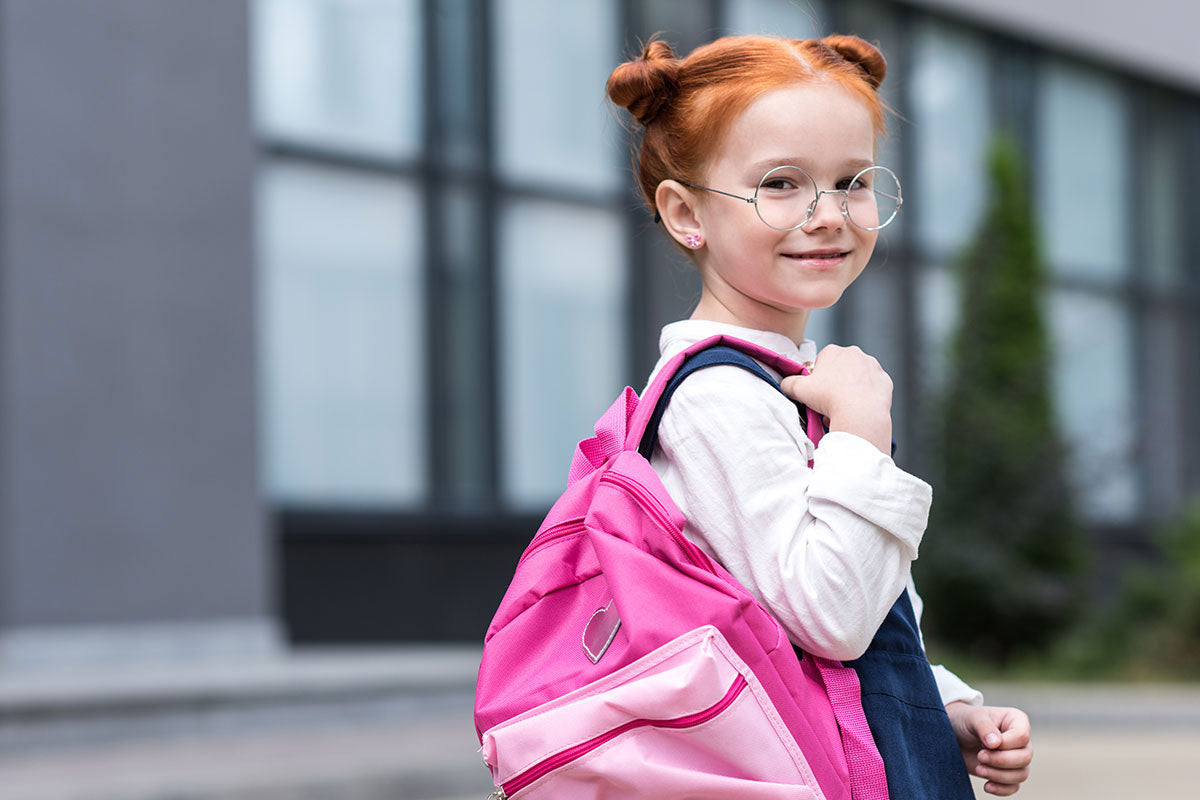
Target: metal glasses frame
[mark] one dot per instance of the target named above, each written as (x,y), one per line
(817,192)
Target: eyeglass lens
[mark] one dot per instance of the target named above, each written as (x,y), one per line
(786,197)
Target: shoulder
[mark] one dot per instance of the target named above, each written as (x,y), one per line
(725,403)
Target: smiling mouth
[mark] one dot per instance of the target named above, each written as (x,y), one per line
(817,256)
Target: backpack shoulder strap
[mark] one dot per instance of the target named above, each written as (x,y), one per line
(711,357)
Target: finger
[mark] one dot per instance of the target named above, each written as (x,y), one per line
(1002,776)
(1006,759)
(1001,789)
(985,730)
(1015,730)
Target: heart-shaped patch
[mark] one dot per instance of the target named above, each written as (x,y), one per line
(599,632)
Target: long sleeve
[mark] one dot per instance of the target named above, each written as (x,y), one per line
(826,549)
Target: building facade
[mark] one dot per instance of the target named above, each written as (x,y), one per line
(306,302)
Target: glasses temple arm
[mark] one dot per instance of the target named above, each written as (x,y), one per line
(718,191)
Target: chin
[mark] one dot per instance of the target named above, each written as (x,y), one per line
(816,302)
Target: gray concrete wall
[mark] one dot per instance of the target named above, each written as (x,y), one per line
(1153,38)
(128,465)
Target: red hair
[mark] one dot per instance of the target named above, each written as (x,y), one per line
(687,105)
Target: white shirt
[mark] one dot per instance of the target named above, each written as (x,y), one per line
(828,549)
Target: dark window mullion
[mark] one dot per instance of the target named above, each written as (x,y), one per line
(1190,377)
(462,392)
(907,300)
(281,149)
(638,302)
(436,382)
(1137,118)
(488,368)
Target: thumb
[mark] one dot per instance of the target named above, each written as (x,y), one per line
(987,731)
(798,387)
(806,390)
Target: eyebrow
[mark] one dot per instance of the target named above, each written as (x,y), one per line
(856,164)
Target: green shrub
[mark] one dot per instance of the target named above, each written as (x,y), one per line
(1000,566)
(1152,628)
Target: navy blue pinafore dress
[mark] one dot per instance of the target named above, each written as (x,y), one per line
(900,697)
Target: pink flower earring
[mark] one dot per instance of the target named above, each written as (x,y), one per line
(693,240)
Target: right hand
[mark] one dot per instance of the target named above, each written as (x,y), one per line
(849,388)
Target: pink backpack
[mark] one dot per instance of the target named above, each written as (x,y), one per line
(623,662)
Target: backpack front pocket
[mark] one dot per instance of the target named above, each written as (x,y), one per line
(689,720)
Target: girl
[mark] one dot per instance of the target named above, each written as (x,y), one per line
(758,158)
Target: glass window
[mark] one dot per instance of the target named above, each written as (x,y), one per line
(1166,353)
(685,24)
(562,290)
(938,315)
(553,124)
(342,316)
(948,102)
(774,17)
(341,74)
(874,312)
(1093,387)
(1081,180)
(821,327)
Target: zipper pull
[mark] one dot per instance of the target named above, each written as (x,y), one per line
(498,794)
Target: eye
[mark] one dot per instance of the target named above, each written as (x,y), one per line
(779,183)
(851,184)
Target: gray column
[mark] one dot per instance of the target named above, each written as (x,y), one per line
(131,522)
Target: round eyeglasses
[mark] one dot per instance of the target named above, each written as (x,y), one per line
(786,197)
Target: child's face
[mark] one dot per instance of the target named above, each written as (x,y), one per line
(771,277)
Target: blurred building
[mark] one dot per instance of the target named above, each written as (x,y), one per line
(306,302)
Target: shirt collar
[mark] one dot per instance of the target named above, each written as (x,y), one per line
(678,336)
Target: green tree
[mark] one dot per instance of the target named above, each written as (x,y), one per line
(1001,563)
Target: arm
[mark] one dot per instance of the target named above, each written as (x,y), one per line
(826,549)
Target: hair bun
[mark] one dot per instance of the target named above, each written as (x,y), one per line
(860,53)
(647,83)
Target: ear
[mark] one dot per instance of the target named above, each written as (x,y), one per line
(677,207)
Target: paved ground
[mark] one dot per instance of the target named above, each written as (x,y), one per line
(1091,743)
(431,758)
(1111,765)
(1108,742)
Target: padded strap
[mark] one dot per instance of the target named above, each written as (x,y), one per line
(711,357)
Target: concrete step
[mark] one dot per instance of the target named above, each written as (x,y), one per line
(139,702)
(1130,706)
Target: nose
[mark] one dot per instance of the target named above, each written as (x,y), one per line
(830,214)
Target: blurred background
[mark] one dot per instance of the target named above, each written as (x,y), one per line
(305,303)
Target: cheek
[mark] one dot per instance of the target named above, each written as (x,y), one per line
(738,236)
(868,240)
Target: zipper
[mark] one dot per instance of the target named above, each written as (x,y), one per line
(560,759)
(554,532)
(659,514)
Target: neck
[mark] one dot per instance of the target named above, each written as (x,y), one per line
(789,323)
